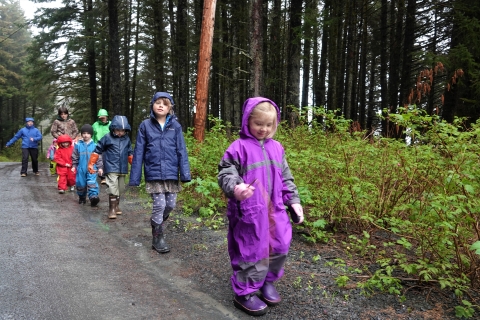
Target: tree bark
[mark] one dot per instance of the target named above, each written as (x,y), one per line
(293,60)
(114,54)
(91,59)
(256,48)
(203,73)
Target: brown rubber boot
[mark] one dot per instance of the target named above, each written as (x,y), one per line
(118,211)
(112,207)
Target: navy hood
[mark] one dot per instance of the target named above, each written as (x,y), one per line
(119,122)
(161,95)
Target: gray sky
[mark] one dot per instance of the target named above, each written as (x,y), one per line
(29,7)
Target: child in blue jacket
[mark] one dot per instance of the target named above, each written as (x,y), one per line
(161,148)
(86,182)
(30,137)
(116,150)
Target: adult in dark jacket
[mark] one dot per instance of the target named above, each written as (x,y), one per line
(161,148)
(116,150)
(30,137)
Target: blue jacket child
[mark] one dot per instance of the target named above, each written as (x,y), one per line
(30,137)
(86,182)
(161,148)
(116,150)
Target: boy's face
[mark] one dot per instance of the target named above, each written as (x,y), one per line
(160,109)
(64,116)
(86,136)
(103,119)
(261,125)
(119,132)
(29,123)
(65,144)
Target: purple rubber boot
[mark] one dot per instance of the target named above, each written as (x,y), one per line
(270,294)
(250,304)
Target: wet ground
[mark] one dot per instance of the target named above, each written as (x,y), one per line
(63,260)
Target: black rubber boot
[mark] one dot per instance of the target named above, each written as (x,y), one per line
(94,201)
(158,240)
(82,200)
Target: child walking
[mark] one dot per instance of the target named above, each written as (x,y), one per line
(116,150)
(63,158)
(101,128)
(86,182)
(161,148)
(255,177)
(50,155)
(30,137)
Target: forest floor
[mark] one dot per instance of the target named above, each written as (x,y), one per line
(308,288)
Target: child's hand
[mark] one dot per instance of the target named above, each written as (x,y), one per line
(297,207)
(68,165)
(243,191)
(100,172)
(74,170)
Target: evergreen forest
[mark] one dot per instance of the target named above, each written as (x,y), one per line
(380,108)
(362,59)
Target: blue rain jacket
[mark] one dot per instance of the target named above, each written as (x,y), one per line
(114,149)
(25,134)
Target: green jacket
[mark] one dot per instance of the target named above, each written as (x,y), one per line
(99,130)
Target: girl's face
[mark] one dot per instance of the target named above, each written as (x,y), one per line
(261,125)
(119,132)
(65,144)
(103,119)
(160,109)
(64,116)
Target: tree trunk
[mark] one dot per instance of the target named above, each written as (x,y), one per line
(203,73)
(91,59)
(408,48)
(384,66)
(256,48)
(126,55)
(114,47)
(309,23)
(362,77)
(158,46)
(293,60)
(135,67)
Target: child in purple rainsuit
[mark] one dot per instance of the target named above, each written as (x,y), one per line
(255,176)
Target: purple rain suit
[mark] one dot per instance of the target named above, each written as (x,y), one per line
(259,231)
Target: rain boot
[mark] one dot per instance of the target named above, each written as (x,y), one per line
(118,211)
(94,201)
(112,206)
(270,294)
(250,304)
(158,240)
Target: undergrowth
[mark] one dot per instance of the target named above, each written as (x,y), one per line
(421,194)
